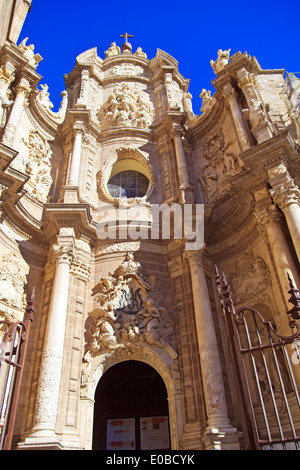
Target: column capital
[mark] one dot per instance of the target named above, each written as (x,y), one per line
(23,87)
(64,254)
(229,92)
(267,216)
(284,190)
(195,257)
(79,128)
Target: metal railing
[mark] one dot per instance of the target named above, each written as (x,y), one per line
(265,364)
(13,349)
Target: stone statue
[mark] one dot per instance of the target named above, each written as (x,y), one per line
(139,52)
(222,60)
(28,53)
(206,100)
(126,311)
(43,100)
(112,50)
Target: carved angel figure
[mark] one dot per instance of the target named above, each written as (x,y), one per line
(112,50)
(128,312)
(127,106)
(102,331)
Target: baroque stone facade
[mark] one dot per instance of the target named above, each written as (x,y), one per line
(100,302)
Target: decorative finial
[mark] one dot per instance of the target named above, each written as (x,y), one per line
(294,300)
(126,47)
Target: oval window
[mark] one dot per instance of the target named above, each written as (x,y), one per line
(128,184)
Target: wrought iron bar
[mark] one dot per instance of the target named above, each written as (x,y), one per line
(271,366)
(15,373)
(228,310)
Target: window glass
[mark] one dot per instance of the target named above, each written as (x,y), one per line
(128,184)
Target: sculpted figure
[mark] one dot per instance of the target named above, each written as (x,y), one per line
(28,53)
(206,100)
(127,106)
(140,53)
(5,103)
(102,331)
(222,60)
(127,311)
(112,50)
(12,281)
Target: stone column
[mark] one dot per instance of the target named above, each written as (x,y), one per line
(270,224)
(76,155)
(219,432)
(286,195)
(231,97)
(184,179)
(22,91)
(43,434)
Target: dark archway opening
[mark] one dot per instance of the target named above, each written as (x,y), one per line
(131,409)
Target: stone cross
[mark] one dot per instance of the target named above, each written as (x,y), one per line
(126,46)
(126,36)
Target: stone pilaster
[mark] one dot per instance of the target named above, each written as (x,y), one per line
(76,155)
(270,225)
(240,126)
(22,92)
(186,192)
(219,432)
(43,434)
(286,195)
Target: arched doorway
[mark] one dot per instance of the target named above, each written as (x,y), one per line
(131,409)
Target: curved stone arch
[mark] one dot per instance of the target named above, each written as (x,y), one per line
(125,158)
(164,361)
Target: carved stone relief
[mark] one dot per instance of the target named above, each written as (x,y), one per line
(126,312)
(126,70)
(13,272)
(251,277)
(221,164)
(174,93)
(5,102)
(36,165)
(127,106)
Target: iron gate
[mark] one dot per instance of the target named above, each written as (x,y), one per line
(13,346)
(268,371)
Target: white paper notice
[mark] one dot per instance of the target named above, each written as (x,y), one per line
(120,434)
(155,433)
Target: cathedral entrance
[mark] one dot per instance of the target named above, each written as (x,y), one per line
(131,409)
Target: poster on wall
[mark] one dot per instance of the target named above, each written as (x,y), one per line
(154,433)
(120,434)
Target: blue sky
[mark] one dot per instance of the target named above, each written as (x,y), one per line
(191,31)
